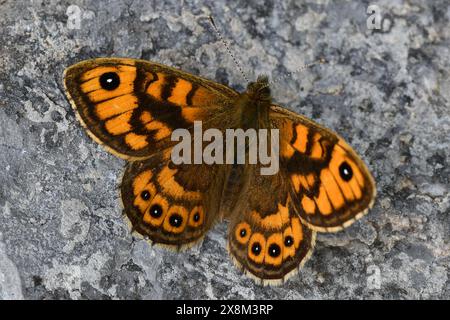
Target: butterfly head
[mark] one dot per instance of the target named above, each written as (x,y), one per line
(260,90)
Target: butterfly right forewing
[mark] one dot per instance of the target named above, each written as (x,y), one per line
(331,186)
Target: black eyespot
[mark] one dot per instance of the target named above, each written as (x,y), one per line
(256,248)
(196,217)
(345,171)
(288,241)
(156,211)
(145,195)
(109,81)
(175,220)
(274,250)
(243,233)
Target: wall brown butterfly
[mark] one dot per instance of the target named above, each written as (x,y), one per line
(133,106)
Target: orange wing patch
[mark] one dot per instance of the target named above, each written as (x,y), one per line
(273,221)
(116,106)
(136,141)
(308,205)
(146,117)
(322,202)
(180,92)
(297,231)
(162,131)
(141,181)
(156,87)
(202,97)
(300,181)
(332,189)
(120,124)
(301,140)
(192,113)
(317,151)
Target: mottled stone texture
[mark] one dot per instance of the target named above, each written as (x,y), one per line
(387,92)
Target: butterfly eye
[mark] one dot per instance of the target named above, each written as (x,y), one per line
(256,248)
(345,171)
(156,211)
(175,220)
(274,250)
(288,241)
(109,81)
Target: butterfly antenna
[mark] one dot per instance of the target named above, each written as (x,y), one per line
(228,48)
(306,66)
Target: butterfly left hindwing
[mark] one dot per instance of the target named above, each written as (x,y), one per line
(166,204)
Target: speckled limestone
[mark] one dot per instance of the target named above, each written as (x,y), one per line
(387,92)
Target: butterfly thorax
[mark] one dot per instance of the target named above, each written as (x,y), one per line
(253,104)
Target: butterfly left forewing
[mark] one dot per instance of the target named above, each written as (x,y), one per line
(132,106)
(331,186)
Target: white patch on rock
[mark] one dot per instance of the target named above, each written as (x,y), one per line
(37,117)
(309,20)
(73,227)
(10,283)
(70,277)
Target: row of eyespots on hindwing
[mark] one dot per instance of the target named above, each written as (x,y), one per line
(157,212)
(270,249)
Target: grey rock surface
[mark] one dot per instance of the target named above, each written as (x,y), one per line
(387,92)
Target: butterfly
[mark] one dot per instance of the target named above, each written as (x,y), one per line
(133,106)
